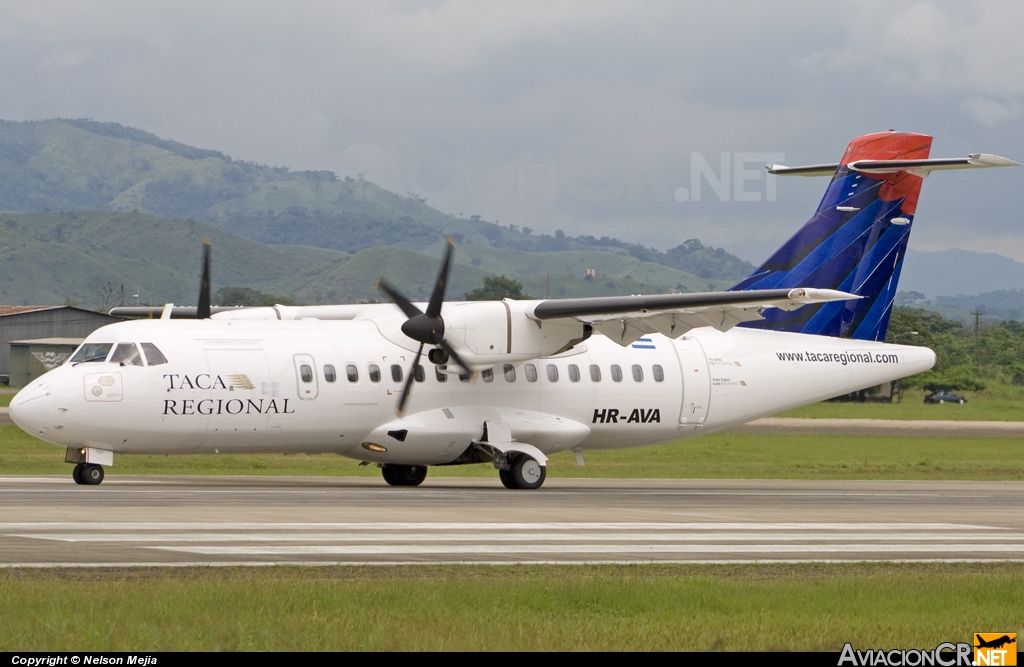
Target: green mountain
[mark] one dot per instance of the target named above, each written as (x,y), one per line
(86,256)
(134,208)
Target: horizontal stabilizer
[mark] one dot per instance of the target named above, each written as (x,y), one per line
(917,167)
(809,170)
(924,167)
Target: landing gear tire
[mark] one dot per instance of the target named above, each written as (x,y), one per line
(76,474)
(92,474)
(524,473)
(396,475)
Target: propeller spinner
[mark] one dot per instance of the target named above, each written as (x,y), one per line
(426,328)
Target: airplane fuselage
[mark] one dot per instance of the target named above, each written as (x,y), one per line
(331,386)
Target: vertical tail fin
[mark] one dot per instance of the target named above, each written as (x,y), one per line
(855,242)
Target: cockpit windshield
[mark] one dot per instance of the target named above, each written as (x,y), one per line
(92,352)
(154,357)
(126,354)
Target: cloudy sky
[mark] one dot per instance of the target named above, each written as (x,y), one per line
(588,116)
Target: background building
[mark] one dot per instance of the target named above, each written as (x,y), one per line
(26,324)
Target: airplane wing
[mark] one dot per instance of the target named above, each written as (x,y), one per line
(624,319)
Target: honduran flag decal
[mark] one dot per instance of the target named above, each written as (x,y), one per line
(644,343)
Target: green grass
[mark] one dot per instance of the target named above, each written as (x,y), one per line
(788,607)
(722,456)
(5,399)
(997,403)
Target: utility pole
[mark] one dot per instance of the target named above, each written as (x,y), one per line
(977,337)
(547,288)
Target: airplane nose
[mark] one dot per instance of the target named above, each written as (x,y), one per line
(33,408)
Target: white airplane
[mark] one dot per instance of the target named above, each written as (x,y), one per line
(508,382)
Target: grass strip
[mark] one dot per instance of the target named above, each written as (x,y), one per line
(643,607)
(998,403)
(715,456)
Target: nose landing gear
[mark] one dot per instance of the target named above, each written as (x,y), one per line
(89,474)
(398,475)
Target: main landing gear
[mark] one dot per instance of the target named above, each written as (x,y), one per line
(89,474)
(398,475)
(523,473)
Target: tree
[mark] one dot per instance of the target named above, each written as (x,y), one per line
(496,288)
(246,296)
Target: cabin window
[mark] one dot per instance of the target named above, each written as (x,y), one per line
(659,373)
(154,357)
(552,373)
(465,377)
(92,352)
(374,372)
(616,373)
(351,372)
(638,373)
(574,373)
(331,375)
(420,374)
(126,354)
(510,373)
(396,372)
(595,372)
(441,377)
(487,375)
(531,372)
(306,372)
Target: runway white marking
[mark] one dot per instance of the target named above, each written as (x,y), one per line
(483,525)
(504,537)
(491,549)
(393,563)
(208,543)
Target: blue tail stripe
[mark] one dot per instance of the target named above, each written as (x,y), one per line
(857,250)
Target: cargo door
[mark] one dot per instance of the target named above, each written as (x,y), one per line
(693,364)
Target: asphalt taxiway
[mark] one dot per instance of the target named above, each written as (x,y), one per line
(193,520)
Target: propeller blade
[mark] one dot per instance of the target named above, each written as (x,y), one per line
(407,306)
(437,297)
(443,344)
(407,389)
(203,308)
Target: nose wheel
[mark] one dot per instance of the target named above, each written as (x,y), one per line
(397,475)
(89,474)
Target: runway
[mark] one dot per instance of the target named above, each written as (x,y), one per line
(178,521)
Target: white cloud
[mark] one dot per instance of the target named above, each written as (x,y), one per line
(991,112)
(934,47)
(66,60)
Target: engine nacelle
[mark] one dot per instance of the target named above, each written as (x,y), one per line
(492,332)
(440,436)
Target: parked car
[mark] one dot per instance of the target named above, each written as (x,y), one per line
(944,397)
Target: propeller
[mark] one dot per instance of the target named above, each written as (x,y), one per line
(203,307)
(426,328)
